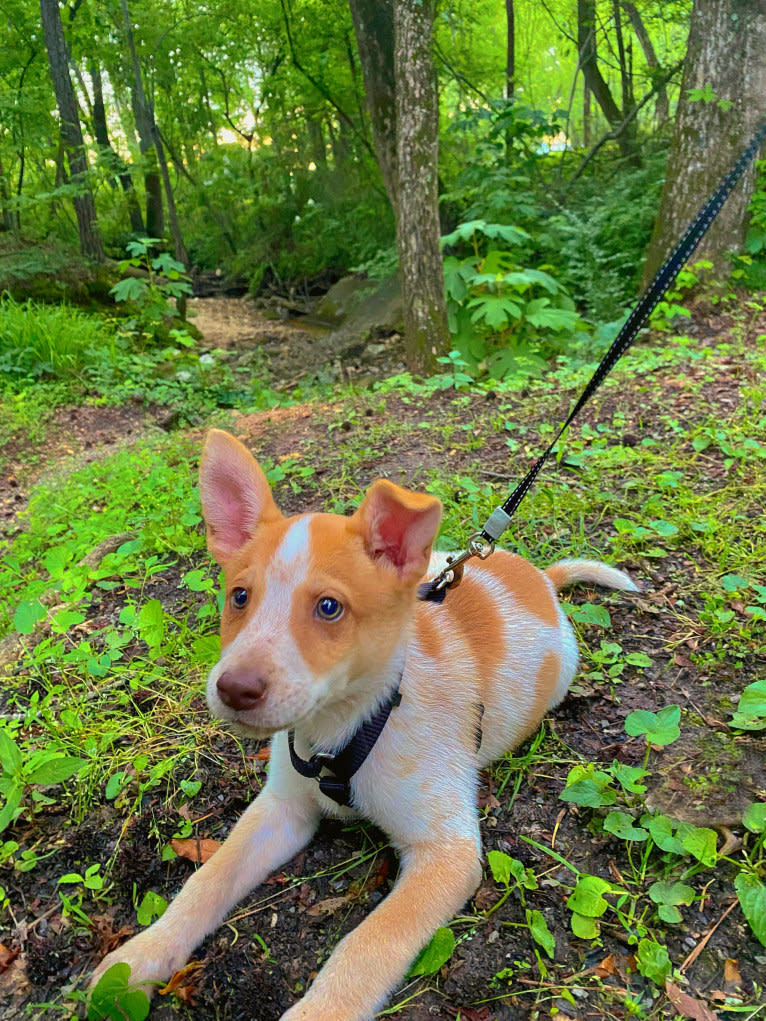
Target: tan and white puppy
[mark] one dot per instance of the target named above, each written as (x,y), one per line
(319,624)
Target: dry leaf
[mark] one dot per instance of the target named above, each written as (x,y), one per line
(327,906)
(687,1005)
(263,754)
(606,967)
(731,975)
(198,851)
(185,982)
(7,956)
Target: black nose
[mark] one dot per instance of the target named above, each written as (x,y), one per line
(240,690)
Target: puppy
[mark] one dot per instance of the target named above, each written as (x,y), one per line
(321,634)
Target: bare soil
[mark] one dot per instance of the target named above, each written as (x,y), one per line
(256,965)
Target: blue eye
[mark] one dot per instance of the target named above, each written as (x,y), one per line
(329,608)
(239,598)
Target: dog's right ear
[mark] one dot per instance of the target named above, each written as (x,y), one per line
(235,494)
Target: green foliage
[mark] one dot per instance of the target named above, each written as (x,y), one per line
(505,319)
(154,294)
(114,998)
(23,771)
(436,953)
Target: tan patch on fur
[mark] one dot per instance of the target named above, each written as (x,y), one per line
(545,683)
(373,597)
(474,613)
(429,636)
(528,586)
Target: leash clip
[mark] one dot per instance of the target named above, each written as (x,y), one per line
(435,591)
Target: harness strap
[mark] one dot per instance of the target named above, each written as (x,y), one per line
(344,764)
(483,542)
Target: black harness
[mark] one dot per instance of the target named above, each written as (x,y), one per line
(342,766)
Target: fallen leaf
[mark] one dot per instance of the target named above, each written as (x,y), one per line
(198,851)
(328,906)
(731,975)
(263,754)
(185,982)
(7,956)
(687,1005)
(606,967)
(108,937)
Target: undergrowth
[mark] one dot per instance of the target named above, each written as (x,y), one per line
(109,650)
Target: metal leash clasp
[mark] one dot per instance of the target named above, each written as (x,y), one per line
(435,591)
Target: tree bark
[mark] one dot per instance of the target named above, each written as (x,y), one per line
(726,50)
(147,135)
(510,49)
(650,56)
(594,80)
(101,132)
(395,39)
(71,132)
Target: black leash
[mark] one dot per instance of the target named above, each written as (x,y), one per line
(344,764)
(482,543)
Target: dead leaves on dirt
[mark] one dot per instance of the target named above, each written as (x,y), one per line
(197,850)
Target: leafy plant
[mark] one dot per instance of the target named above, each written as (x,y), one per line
(504,318)
(24,774)
(165,281)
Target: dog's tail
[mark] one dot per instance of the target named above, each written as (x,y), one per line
(568,572)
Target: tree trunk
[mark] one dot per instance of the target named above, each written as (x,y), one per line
(144,117)
(394,39)
(726,50)
(594,80)
(71,132)
(101,132)
(650,56)
(510,49)
(417,154)
(6,217)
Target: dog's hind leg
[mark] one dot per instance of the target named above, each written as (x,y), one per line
(435,881)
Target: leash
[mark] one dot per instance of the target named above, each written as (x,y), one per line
(482,543)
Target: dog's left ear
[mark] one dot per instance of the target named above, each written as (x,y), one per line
(235,494)
(398,527)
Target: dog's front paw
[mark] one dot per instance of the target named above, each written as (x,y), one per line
(151,956)
(304,1010)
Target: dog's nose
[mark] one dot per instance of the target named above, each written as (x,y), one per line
(240,690)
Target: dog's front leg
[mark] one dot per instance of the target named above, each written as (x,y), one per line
(435,881)
(271,831)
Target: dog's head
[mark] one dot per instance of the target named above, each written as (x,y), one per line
(316,605)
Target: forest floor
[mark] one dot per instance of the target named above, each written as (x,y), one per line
(680,523)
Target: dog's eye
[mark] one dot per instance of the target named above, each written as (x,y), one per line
(239,598)
(329,608)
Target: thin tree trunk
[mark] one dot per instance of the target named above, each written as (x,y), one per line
(417,154)
(730,52)
(144,117)
(650,56)
(588,54)
(101,132)
(510,49)
(71,132)
(6,218)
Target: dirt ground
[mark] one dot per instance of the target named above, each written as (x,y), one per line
(256,964)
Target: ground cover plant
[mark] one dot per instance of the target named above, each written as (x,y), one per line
(625,856)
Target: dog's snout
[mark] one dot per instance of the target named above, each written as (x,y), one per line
(240,690)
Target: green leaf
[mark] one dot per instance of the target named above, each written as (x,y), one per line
(752,899)
(129,289)
(755,817)
(752,701)
(55,769)
(114,785)
(151,623)
(668,891)
(701,842)
(587,897)
(112,997)
(27,614)
(153,905)
(540,932)
(653,961)
(638,659)
(589,793)
(660,728)
(436,953)
(584,927)
(593,613)
(664,832)
(10,756)
(622,825)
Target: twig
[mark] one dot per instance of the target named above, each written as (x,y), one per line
(706,938)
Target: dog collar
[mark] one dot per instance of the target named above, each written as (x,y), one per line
(343,764)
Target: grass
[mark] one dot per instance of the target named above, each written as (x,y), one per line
(109,653)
